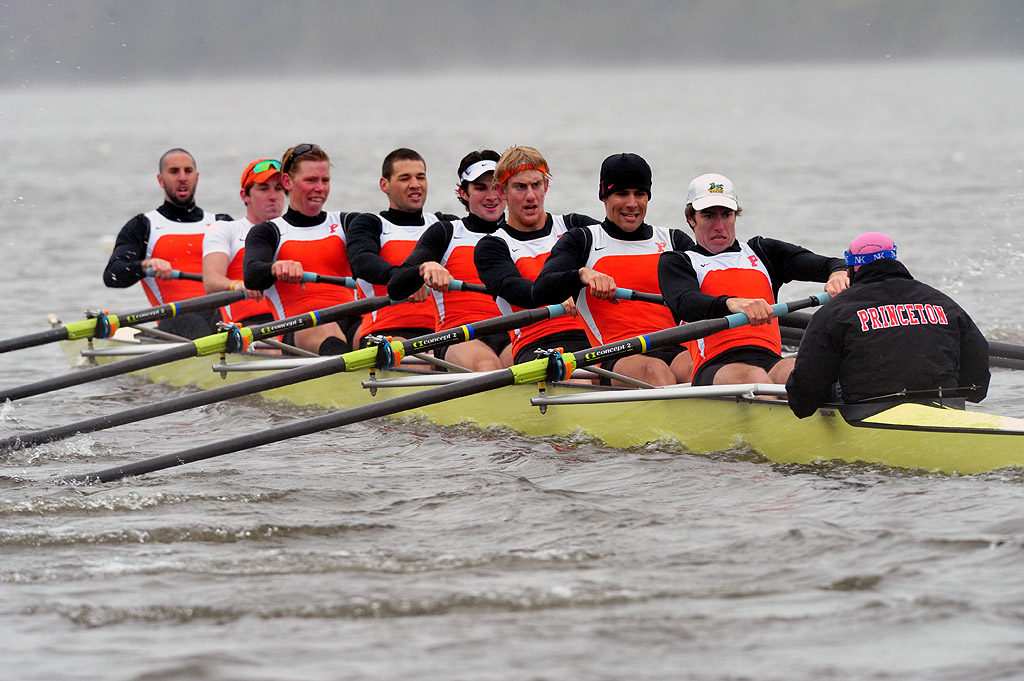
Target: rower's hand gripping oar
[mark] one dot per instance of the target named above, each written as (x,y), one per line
(365,358)
(104,324)
(177,274)
(235,339)
(314,278)
(528,372)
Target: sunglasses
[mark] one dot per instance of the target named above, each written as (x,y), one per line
(296,152)
(261,167)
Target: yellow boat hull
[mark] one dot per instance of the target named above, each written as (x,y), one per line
(906,436)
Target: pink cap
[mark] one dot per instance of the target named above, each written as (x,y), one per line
(869,247)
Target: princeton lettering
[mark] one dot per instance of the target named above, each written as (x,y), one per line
(905,314)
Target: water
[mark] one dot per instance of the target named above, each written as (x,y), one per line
(400,550)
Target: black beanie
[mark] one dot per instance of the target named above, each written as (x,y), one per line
(624,171)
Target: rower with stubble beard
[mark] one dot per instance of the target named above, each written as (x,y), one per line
(166,239)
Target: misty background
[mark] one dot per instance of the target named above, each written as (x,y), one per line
(54,42)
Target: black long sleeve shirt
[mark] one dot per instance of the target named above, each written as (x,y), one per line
(784,261)
(124,267)
(432,246)
(261,244)
(498,270)
(560,277)
(363,242)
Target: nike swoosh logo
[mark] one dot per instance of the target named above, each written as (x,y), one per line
(600,248)
(704,264)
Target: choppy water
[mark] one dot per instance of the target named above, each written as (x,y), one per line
(397,551)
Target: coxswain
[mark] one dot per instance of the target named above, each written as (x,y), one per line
(889,338)
(379,243)
(445,252)
(166,239)
(590,263)
(509,259)
(224,245)
(719,275)
(305,239)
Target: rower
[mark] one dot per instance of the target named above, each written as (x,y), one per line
(166,239)
(889,336)
(589,263)
(379,243)
(224,245)
(445,252)
(305,239)
(720,275)
(509,259)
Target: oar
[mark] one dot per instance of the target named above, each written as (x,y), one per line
(350,361)
(349,282)
(314,278)
(555,367)
(104,324)
(630,294)
(235,339)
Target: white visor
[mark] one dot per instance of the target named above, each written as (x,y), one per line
(477,169)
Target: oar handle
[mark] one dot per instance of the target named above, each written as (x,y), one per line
(178,274)
(779,309)
(457,285)
(630,294)
(314,278)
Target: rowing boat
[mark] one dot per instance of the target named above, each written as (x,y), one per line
(693,419)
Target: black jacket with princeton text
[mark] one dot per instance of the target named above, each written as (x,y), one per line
(886,334)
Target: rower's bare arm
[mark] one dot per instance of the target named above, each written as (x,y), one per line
(758,311)
(435,275)
(601,285)
(215,268)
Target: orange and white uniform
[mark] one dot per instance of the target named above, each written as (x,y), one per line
(228,237)
(318,243)
(697,285)
(510,267)
(631,258)
(377,245)
(736,274)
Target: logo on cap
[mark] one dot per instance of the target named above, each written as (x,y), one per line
(716,188)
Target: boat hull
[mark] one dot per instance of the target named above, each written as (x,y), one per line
(909,436)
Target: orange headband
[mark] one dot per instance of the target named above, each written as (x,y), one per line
(509,172)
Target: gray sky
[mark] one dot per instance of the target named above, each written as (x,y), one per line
(93,40)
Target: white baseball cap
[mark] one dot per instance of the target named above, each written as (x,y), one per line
(711,189)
